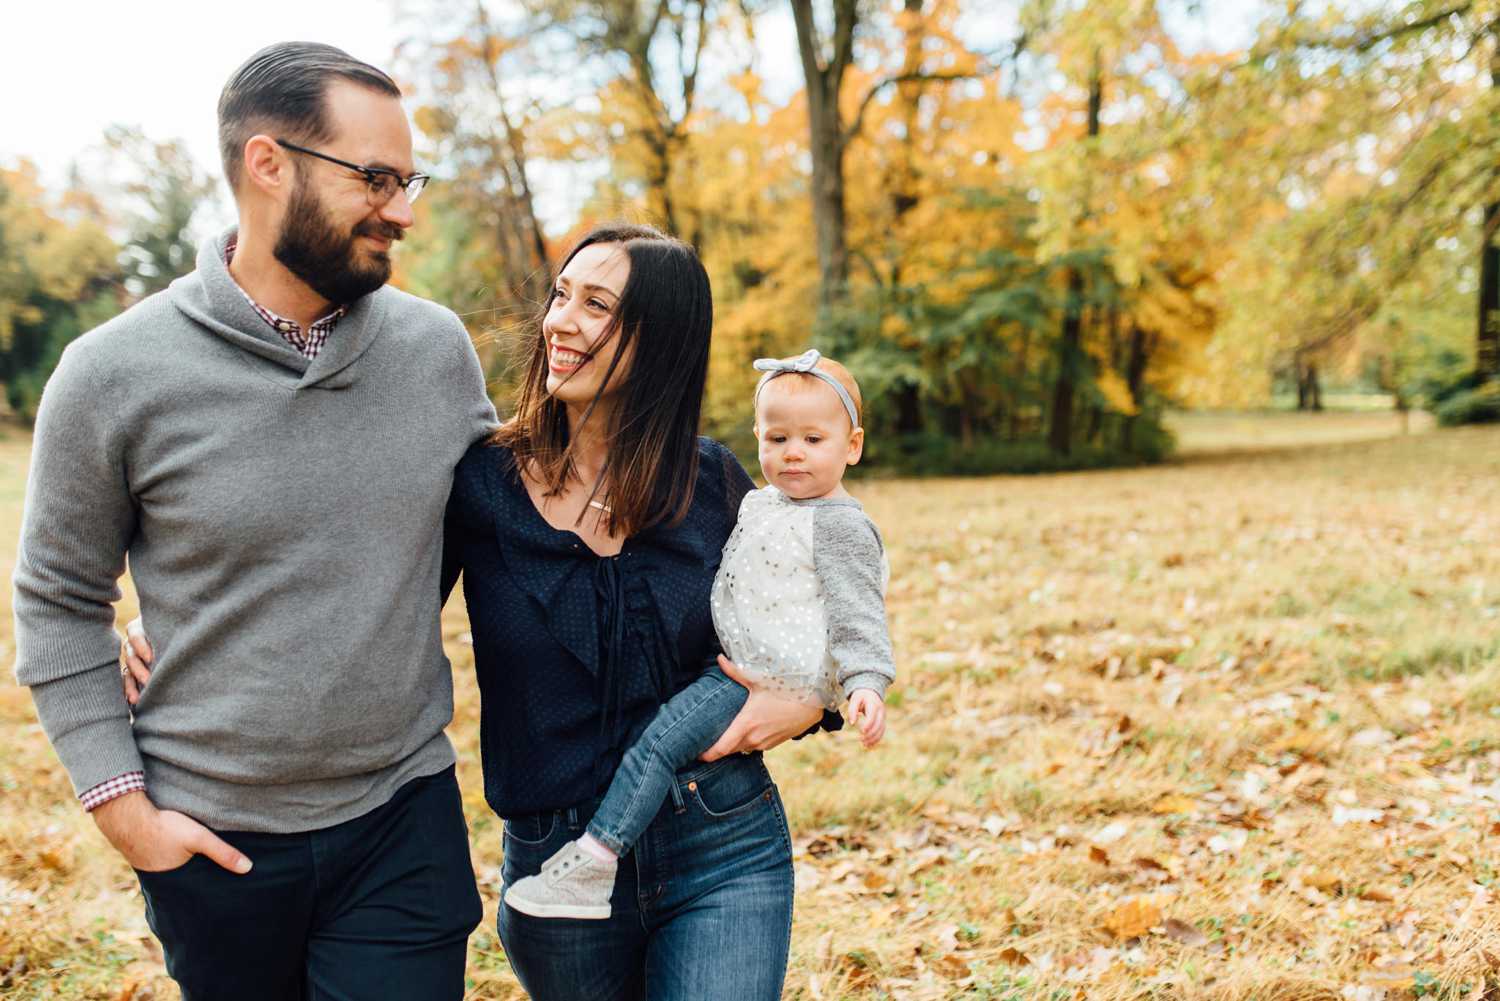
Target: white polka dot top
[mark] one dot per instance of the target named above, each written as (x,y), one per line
(799,602)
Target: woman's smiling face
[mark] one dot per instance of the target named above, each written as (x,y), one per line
(582,336)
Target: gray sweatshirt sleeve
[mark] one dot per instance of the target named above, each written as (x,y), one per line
(849,557)
(78,522)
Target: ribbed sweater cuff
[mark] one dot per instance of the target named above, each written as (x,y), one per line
(87,719)
(873,680)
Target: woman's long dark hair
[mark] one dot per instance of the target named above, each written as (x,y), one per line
(666,311)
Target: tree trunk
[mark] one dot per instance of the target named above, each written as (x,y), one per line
(1060,434)
(1487,347)
(528,270)
(828,141)
(1309,388)
(908,410)
(1135,379)
(903,182)
(1020,380)
(829,219)
(1070,350)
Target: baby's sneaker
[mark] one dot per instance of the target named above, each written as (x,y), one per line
(572,884)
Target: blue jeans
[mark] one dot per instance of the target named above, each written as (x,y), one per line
(702,906)
(685,726)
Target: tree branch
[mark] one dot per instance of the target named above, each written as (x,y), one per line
(917,77)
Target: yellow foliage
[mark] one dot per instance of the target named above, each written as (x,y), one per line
(44,254)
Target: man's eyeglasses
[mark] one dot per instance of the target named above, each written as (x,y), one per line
(382,182)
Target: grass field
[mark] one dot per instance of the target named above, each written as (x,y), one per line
(1227,728)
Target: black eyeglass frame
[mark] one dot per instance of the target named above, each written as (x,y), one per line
(370,174)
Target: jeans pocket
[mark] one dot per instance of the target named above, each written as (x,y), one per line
(529,841)
(733,789)
(188,863)
(532,830)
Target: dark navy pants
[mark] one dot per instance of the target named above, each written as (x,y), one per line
(702,906)
(374,908)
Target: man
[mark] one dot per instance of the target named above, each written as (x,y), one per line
(271,442)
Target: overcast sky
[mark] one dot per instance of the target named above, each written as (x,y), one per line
(69,68)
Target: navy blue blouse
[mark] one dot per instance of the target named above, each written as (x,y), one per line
(575,651)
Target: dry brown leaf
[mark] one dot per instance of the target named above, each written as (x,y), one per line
(1098,854)
(1325,881)
(1014,957)
(944,940)
(951,967)
(1175,803)
(1390,978)
(1133,918)
(1181,931)
(857,971)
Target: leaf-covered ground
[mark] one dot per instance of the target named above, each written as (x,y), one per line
(1224,729)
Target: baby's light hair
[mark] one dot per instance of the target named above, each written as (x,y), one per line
(802,381)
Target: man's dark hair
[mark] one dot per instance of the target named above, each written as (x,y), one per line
(280,89)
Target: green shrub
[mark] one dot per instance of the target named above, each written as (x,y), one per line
(1478,405)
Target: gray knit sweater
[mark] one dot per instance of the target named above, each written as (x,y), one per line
(283,523)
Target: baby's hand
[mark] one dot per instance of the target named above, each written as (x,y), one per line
(867,710)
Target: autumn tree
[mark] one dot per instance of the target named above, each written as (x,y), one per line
(59,276)
(1384,145)
(653,52)
(156,191)
(473,120)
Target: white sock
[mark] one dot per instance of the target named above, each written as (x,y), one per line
(591,845)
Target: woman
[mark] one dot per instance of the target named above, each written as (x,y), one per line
(588,530)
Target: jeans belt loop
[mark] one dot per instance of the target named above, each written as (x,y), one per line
(677,803)
(572,818)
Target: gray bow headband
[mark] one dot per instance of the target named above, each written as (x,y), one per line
(805,364)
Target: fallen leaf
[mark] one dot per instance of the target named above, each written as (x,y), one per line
(1325,881)
(1181,931)
(1133,918)
(944,939)
(1098,855)
(1175,803)
(1111,833)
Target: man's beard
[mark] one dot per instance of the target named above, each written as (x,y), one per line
(312,249)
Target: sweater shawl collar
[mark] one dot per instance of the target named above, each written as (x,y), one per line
(210,297)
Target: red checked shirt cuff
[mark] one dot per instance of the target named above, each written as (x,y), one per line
(114,788)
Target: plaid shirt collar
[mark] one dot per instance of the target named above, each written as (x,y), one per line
(307,343)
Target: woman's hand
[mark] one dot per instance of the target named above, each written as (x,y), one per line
(135,661)
(764,721)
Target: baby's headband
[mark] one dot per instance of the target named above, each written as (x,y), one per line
(805,364)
